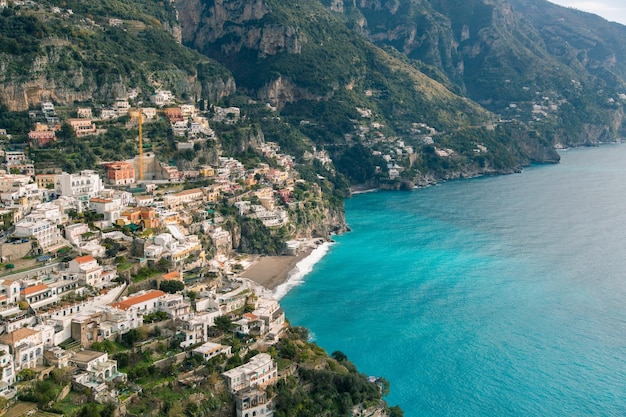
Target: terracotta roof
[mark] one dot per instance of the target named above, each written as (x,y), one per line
(7,282)
(84,259)
(172,275)
(17,335)
(3,297)
(132,301)
(34,289)
(250,316)
(99,200)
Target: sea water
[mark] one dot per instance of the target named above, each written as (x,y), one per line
(498,296)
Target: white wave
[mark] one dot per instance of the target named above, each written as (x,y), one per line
(302,268)
(369,190)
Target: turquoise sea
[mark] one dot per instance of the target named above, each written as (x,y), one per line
(497,296)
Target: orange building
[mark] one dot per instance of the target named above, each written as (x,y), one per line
(41,138)
(149,217)
(44,180)
(82,127)
(174,114)
(131,216)
(120,173)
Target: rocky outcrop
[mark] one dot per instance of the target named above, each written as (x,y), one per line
(229,26)
(19,96)
(78,60)
(22,96)
(282,91)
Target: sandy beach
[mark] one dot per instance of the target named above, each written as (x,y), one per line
(271,271)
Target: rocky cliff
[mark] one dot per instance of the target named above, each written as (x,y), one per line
(233,26)
(69,57)
(511,54)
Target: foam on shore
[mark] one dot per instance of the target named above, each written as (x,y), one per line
(302,268)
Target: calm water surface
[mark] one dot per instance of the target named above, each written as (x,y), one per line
(500,296)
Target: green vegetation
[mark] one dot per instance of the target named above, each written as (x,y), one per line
(323,385)
(171,287)
(94,54)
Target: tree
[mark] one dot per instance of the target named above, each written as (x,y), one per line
(396,411)
(223,323)
(164,265)
(171,287)
(384,386)
(131,337)
(26,374)
(90,410)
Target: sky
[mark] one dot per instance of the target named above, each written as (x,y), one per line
(613,10)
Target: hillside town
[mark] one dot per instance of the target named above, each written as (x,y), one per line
(137,252)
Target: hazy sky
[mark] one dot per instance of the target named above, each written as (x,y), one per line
(613,10)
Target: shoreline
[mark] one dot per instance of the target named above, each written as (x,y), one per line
(279,274)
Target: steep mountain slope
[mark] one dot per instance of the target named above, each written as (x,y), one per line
(78,51)
(344,93)
(557,69)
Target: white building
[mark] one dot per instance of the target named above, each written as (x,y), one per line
(25,195)
(96,371)
(194,197)
(14,157)
(7,367)
(26,346)
(49,211)
(144,200)
(108,114)
(195,329)
(252,403)
(174,246)
(175,306)
(260,372)
(210,350)
(143,302)
(109,208)
(87,269)
(149,113)
(39,295)
(7,373)
(162,97)
(47,107)
(9,292)
(82,186)
(87,242)
(121,106)
(46,233)
(73,233)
